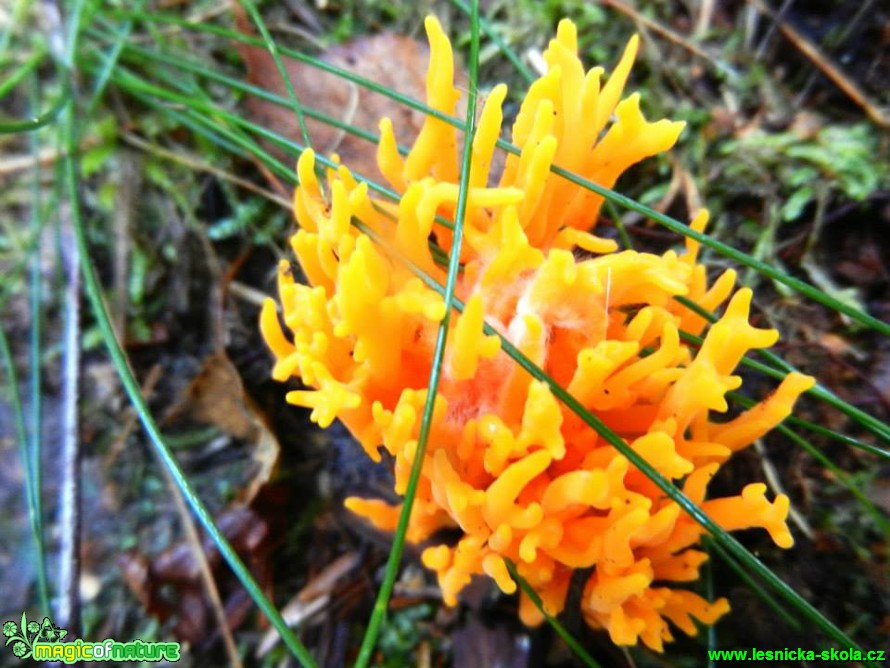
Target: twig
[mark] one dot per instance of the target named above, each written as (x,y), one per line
(69,521)
(13,164)
(198,165)
(849,87)
(664,31)
(775,482)
(127,194)
(774,24)
(194,540)
(154,375)
(248,294)
(705,14)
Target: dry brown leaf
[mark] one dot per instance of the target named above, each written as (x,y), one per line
(371,57)
(168,584)
(216,396)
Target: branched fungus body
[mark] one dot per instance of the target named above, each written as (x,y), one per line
(521,476)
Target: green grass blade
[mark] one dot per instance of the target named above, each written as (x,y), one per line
(871,423)
(561,630)
(495,37)
(395,555)
(877,516)
(35,284)
(752,584)
(272,46)
(31,494)
(41,120)
(20,73)
(120,41)
(674,225)
(780,368)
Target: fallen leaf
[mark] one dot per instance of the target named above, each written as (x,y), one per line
(393,61)
(168,585)
(216,396)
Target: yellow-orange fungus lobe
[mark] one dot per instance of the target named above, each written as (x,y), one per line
(518,475)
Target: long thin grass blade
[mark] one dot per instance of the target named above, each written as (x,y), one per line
(395,555)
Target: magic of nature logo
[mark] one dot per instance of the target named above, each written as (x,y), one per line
(44,641)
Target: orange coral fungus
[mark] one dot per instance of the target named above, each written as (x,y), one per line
(521,476)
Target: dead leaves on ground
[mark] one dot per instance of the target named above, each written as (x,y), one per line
(372,57)
(169,584)
(216,397)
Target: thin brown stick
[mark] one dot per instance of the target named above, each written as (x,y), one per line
(705,15)
(199,165)
(662,30)
(194,541)
(20,162)
(878,115)
(127,195)
(154,375)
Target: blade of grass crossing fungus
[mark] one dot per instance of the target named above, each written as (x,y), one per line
(128,380)
(495,37)
(276,56)
(879,518)
(626,202)
(781,367)
(711,631)
(395,556)
(563,633)
(752,584)
(722,538)
(872,424)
